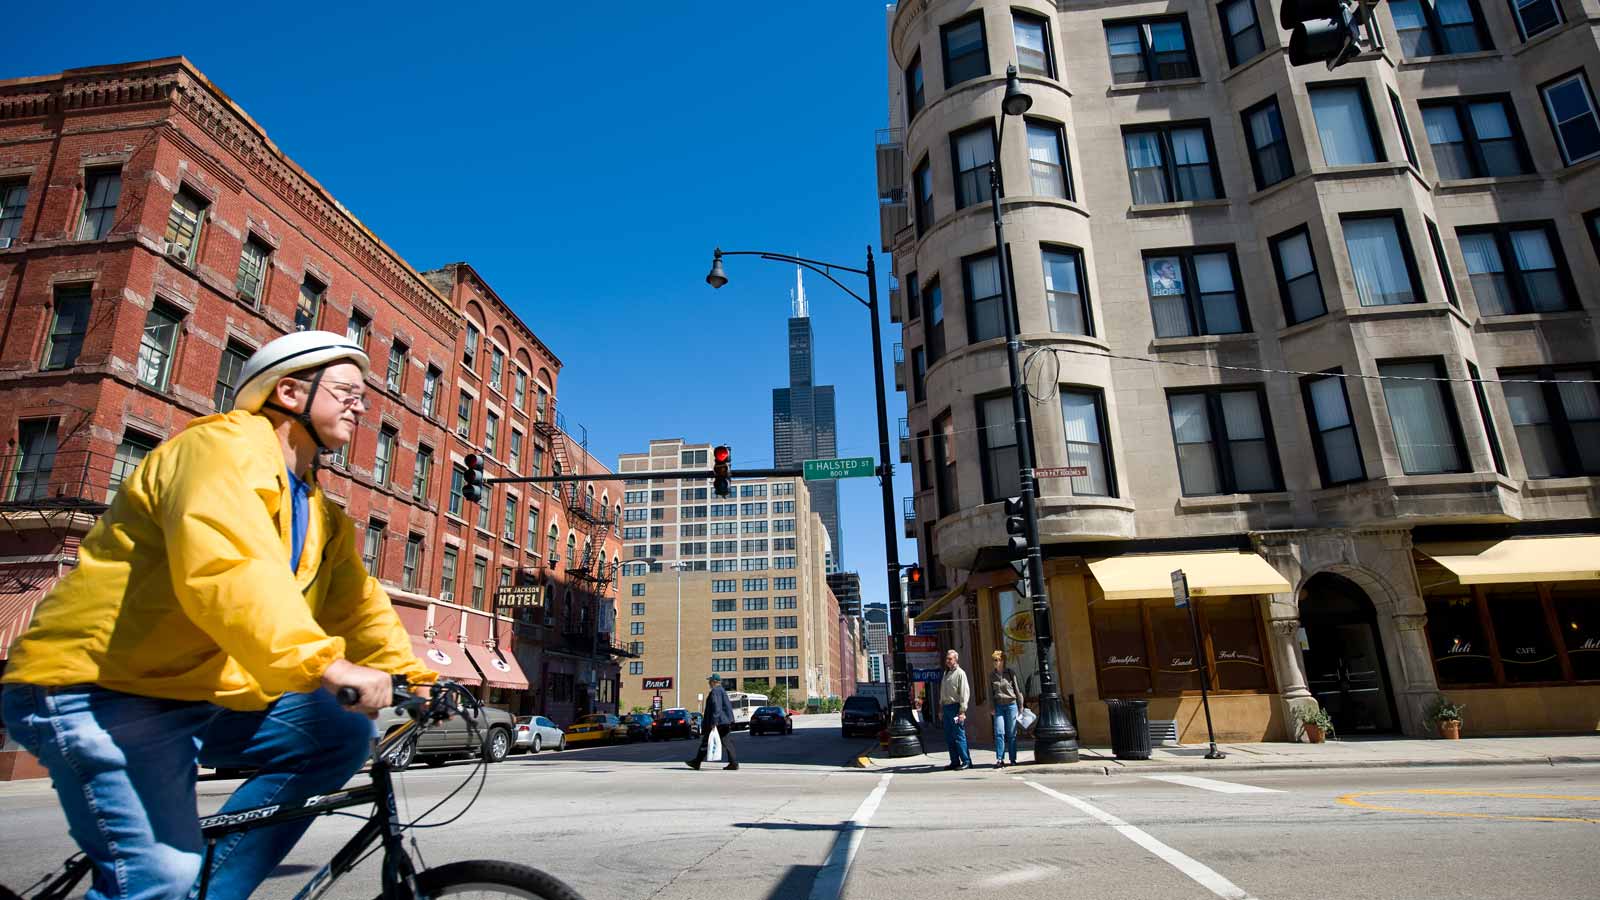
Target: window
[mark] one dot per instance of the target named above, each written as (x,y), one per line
(755,584)
(724,624)
(1170,164)
(1513,634)
(785,622)
(636,627)
(944,456)
(1269,144)
(157,345)
(1570,106)
(69,322)
(358,328)
(1299,284)
(469,346)
(756,643)
(1438,27)
(483,510)
(1380,257)
(1443,264)
(916,98)
(13,200)
(36,457)
(491,432)
(1035,56)
(636,590)
(497,366)
(1047,160)
(508,525)
(971,152)
(1345,125)
(1150,50)
(1489,431)
(309,305)
(464,415)
(480,572)
(132,451)
(1241,33)
(551,545)
(636,668)
(519,389)
(421,470)
(1516,268)
(1088,445)
(997,444)
(102,190)
(1405,130)
(233,359)
(458,477)
(447,576)
(184,219)
(1128,638)
(922,178)
(934,329)
(1224,442)
(413,560)
(913,297)
(1557,425)
(1536,16)
(372,547)
(1423,418)
(396,376)
(725,586)
(785,603)
(1475,138)
(985,305)
(430,391)
(514,450)
(726,604)
(919,375)
(1195,292)
(383,462)
(251,280)
(966,55)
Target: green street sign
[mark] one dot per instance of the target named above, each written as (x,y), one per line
(853,467)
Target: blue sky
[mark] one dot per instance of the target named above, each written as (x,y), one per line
(586,163)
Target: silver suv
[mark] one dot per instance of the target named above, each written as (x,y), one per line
(485,731)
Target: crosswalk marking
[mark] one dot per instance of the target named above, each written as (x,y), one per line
(1211,784)
(830,881)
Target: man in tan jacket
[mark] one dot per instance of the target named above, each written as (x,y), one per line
(955,693)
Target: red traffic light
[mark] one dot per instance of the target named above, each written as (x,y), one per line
(914,574)
(721,470)
(473,461)
(721,455)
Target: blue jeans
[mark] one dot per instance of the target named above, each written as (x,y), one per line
(955,735)
(1005,732)
(123,767)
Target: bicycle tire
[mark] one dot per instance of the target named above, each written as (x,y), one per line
(478,875)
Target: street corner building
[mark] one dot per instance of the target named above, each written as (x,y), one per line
(1323,341)
(151,238)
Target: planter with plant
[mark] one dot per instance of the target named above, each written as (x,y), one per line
(1447,717)
(1315,722)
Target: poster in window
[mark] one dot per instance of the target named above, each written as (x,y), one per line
(1165,276)
(1016,636)
(1455,636)
(1121,651)
(1176,668)
(1236,644)
(1527,649)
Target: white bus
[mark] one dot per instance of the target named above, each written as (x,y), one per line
(743,705)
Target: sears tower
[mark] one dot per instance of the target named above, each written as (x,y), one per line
(803,424)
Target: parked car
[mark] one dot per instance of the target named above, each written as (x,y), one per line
(771,720)
(595,728)
(675,723)
(535,733)
(862,715)
(484,731)
(636,727)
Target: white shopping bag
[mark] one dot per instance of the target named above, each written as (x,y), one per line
(714,746)
(1026,718)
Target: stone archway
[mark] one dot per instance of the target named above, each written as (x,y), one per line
(1347,671)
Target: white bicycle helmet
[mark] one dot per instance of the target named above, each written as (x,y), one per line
(296,353)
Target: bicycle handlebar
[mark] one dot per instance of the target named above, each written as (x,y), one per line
(435,707)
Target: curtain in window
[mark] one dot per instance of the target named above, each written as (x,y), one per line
(1382,278)
(974,152)
(1581,402)
(1081,423)
(1044,161)
(1449,145)
(1031,53)
(1170,49)
(1538,266)
(1239,20)
(1197,460)
(1169,306)
(1487,272)
(983,280)
(1492,127)
(1268,140)
(1412,25)
(1000,441)
(1536,434)
(1144,167)
(1247,442)
(1218,300)
(1065,296)
(1458,24)
(1421,424)
(1127,54)
(1342,126)
(1332,413)
(1191,159)
(1299,274)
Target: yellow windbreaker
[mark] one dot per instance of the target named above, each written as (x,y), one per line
(183,589)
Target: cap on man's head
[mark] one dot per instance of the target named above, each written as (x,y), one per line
(713,677)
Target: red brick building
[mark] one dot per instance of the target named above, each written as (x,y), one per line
(151,237)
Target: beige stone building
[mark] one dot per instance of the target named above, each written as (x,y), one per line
(1323,340)
(755,607)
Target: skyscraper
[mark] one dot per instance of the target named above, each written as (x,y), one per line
(803,422)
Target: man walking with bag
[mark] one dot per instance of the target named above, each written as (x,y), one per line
(954,695)
(718,717)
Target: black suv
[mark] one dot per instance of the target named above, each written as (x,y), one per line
(862,715)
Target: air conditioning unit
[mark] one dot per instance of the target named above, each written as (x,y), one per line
(178,252)
(447,596)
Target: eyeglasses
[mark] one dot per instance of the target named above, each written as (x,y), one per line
(349,393)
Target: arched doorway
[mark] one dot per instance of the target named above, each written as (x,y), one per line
(1345,667)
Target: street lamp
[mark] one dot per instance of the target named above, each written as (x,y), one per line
(1054,737)
(904,738)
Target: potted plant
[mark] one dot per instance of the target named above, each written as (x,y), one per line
(1314,721)
(1447,716)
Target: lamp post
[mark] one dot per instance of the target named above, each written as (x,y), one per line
(904,739)
(1055,738)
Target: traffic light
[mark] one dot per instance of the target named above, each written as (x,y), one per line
(915,588)
(721,471)
(1325,31)
(1016,525)
(472,491)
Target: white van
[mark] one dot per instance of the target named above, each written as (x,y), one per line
(743,705)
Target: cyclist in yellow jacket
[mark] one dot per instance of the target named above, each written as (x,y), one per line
(214,609)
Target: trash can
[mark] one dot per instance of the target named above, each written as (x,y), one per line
(1130,728)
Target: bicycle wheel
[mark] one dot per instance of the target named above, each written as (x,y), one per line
(493,878)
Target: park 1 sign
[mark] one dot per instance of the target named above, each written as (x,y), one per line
(512,597)
(658,684)
(827,469)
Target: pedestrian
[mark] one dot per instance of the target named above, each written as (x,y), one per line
(954,695)
(717,716)
(1008,700)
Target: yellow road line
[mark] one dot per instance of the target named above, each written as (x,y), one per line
(1351,801)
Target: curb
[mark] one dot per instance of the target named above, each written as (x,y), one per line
(1099,769)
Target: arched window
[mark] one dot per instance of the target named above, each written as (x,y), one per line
(588,499)
(552,544)
(588,553)
(572,548)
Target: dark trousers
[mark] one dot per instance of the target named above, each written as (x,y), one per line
(727,744)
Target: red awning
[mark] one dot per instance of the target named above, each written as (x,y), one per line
(21,589)
(448,659)
(499,669)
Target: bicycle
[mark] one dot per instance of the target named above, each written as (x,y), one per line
(401,879)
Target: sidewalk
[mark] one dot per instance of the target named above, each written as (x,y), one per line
(1340,754)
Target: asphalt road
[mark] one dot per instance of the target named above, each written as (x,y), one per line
(634,822)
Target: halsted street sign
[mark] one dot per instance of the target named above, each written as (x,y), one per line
(851,467)
(519,596)
(658,684)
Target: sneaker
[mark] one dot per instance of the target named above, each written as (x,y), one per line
(693,764)
(728,768)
